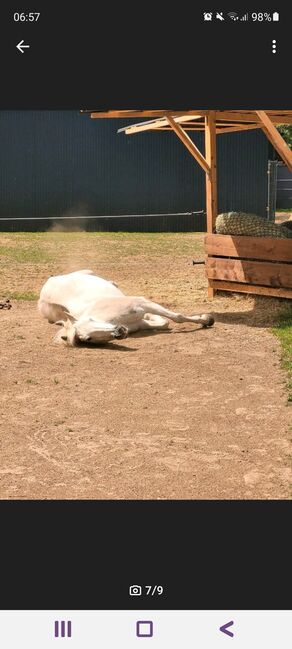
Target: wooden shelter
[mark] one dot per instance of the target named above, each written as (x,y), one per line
(259,265)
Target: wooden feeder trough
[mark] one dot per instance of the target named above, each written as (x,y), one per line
(256,265)
(259,265)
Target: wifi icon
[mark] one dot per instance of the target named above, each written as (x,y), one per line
(233,15)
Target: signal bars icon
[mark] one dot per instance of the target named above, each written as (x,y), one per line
(245,17)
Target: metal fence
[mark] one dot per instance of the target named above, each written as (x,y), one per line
(284,187)
(272,189)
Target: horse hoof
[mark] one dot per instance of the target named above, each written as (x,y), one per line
(120,332)
(207,320)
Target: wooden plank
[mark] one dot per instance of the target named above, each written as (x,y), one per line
(276,138)
(211,177)
(268,248)
(189,126)
(186,140)
(192,126)
(251,116)
(113,114)
(249,288)
(277,117)
(250,272)
(238,128)
(155,124)
(199,128)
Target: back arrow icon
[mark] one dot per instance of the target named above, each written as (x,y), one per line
(21,46)
(225,627)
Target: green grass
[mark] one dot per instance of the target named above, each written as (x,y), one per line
(283,331)
(26,295)
(23,255)
(44,247)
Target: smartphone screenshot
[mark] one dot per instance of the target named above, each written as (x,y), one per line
(146,326)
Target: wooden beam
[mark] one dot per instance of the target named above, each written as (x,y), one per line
(186,140)
(155,124)
(245,116)
(168,128)
(276,138)
(211,177)
(144,113)
(201,127)
(238,128)
(267,248)
(246,271)
(251,116)
(236,287)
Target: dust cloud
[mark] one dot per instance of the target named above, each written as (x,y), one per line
(73,220)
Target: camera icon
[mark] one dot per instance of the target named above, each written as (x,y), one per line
(135,590)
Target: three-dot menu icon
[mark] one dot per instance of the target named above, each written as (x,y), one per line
(274,46)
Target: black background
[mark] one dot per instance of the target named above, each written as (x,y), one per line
(85,555)
(207,555)
(103,56)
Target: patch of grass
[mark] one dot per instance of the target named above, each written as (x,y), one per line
(283,331)
(26,295)
(149,243)
(46,247)
(30,254)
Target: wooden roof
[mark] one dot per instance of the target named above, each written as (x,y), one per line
(223,121)
(193,120)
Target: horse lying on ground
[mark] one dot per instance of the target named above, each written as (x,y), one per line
(94,310)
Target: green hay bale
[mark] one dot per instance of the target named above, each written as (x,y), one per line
(287,224)
(249,225)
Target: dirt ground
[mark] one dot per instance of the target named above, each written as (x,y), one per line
(185,414)
(280,217)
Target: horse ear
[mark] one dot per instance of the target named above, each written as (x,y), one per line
(67,317)
(70,316)
(61,309)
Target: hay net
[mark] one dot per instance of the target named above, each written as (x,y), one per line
(250,225)
(287,224)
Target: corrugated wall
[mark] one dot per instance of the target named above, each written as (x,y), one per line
(284,187)
(56,163)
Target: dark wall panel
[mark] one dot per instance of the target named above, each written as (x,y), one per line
(284,188)
(62,163)
(242,172)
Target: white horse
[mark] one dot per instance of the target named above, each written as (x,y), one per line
(94,310)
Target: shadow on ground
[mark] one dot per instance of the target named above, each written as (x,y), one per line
(264,313)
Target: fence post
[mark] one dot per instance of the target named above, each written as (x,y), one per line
(272,189)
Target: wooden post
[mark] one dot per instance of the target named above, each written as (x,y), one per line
(211,177)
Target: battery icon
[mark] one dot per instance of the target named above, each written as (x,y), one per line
(276,16)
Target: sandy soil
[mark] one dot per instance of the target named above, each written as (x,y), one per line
(190,413)
(280,217)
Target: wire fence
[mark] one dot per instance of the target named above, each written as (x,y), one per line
(160,222)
